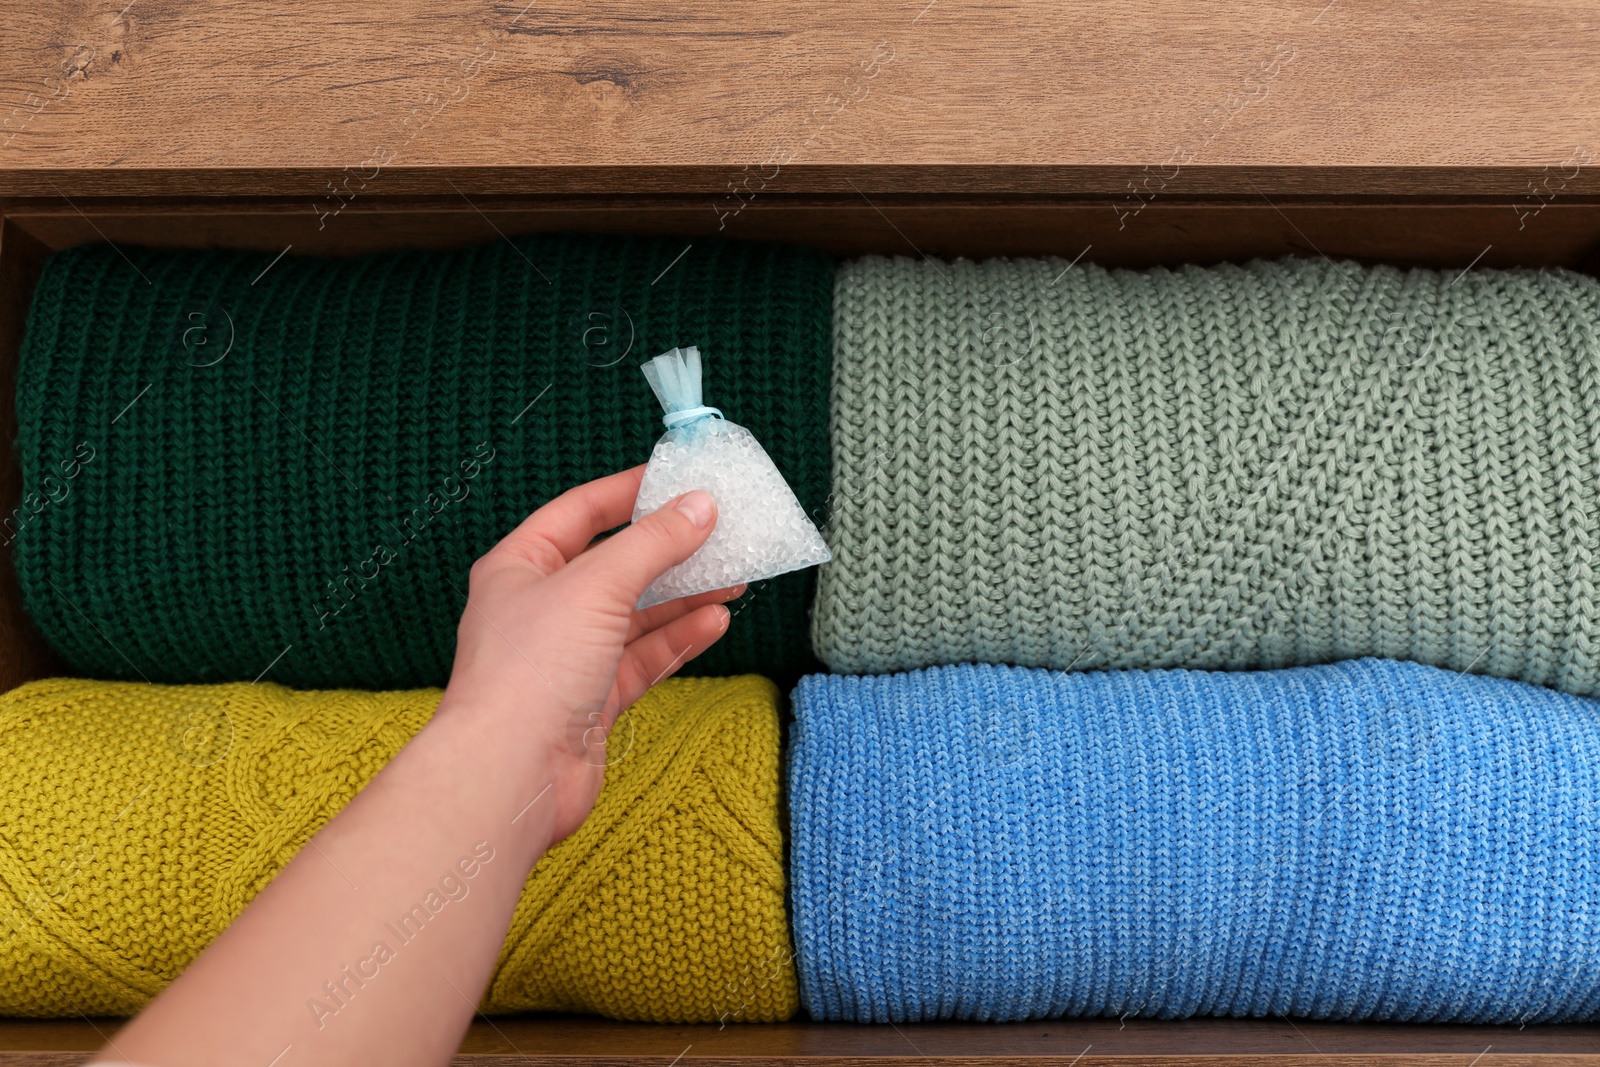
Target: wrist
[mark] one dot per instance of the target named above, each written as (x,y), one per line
(512,744)
(539,718)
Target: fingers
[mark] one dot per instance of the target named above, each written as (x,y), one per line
(656,617)
(661,653)
(626,563)
(567,524)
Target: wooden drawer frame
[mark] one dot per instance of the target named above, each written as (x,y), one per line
(1408,225)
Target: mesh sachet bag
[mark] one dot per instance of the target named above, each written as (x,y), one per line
(761,529)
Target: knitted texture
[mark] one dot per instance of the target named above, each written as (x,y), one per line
(246,464)
(668,904)
(1235,467)
(136,821)
(1364,840)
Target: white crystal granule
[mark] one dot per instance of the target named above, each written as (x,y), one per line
(761,529)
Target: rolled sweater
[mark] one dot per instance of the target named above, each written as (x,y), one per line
(137,821)
(239,467)
(1234,467)
(1364,840)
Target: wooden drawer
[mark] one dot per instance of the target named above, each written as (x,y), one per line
(1463,233)
(1128,132)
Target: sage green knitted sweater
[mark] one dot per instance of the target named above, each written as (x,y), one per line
(1232,467)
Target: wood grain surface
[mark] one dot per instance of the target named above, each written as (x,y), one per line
(1187,97)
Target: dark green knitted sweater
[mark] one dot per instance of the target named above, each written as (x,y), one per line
(242,468)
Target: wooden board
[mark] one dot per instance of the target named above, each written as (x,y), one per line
(23,652)
(1449,236)
(1188,97)
(568,1042)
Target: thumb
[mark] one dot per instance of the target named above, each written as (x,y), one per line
(627,562)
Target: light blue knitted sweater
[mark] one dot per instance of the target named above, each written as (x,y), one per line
(1364,840)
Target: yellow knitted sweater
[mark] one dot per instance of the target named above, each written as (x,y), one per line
(136,821)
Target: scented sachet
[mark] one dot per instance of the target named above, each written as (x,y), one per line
(761,529)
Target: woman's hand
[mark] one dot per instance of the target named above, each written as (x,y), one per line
(550,625)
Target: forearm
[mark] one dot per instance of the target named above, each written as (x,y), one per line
(375,943)
(376,922)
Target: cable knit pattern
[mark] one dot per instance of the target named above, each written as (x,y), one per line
(136,821)
(1235,467)
(1363,840)
(667,905)
(248,464)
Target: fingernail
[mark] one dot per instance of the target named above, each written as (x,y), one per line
(699,506)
